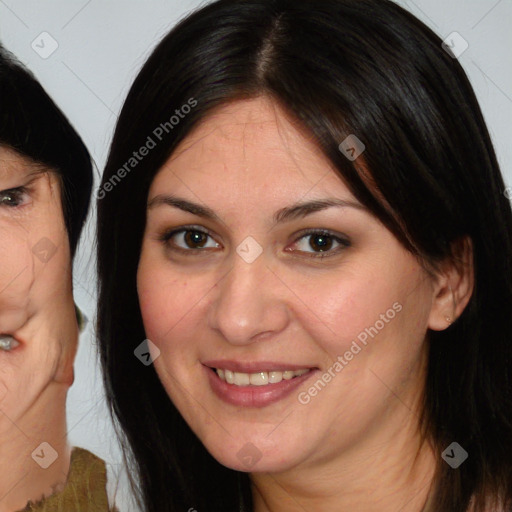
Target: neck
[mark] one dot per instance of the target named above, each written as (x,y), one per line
(393,471)
(25,477)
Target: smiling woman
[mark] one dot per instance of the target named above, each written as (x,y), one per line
(302,260)
(45,185)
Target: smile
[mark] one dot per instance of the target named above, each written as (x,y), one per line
(258,378)
(255,384)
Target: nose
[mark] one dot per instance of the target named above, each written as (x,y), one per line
(249,303)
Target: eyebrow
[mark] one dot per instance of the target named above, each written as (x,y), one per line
(294,211)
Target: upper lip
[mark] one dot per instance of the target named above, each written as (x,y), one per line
(255,366)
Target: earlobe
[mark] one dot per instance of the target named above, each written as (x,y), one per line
(454,287)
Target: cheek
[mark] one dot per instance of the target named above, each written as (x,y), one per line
(50,262)
(34,250)
(168,304)
(337,312)
(16,277)
(164,299)
(14,257)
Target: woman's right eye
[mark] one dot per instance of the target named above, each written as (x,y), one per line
(13,197)
(189,237)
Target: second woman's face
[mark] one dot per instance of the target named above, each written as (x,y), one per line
(38,330)
(289,335)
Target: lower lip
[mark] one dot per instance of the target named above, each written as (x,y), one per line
(254,396)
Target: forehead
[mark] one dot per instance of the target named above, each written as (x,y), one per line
(250,143)
(12,162)
(14,165)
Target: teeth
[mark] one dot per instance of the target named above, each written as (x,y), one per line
(229,376)
(7,342)
(275,377)
(241,379)
(259,378)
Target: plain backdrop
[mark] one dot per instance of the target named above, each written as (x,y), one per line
(98,48)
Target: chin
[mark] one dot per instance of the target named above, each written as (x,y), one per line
(246,456)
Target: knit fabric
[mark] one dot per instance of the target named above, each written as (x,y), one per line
(85,489)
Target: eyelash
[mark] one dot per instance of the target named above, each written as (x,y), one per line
(166,237)
(17,193)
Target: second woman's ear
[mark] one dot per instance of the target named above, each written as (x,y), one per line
(454,286)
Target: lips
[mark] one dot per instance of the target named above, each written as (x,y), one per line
(255,384)
(261,378)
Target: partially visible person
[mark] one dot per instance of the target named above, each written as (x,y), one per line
(45,187)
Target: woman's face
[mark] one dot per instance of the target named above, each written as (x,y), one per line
(246,293)
(37,324)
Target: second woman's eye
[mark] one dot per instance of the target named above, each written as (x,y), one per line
(321,241)
(13,197)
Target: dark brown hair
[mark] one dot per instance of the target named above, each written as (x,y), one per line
(366,67)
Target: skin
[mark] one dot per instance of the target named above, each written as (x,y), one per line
(355,445)
(36,307)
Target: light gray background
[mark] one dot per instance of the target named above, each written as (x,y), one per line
(101,47)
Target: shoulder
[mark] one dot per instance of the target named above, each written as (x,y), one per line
(85,488)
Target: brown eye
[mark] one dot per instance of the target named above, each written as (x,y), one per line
(193,241)
(192,238)
(186,240)
(321,242)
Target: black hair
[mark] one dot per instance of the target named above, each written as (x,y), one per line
(338,67)
(33,125)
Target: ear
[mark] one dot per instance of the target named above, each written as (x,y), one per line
(454,286)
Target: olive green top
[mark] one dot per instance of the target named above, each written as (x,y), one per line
(85,489)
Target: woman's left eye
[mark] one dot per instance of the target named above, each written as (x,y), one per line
(13,197)
(321,241)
